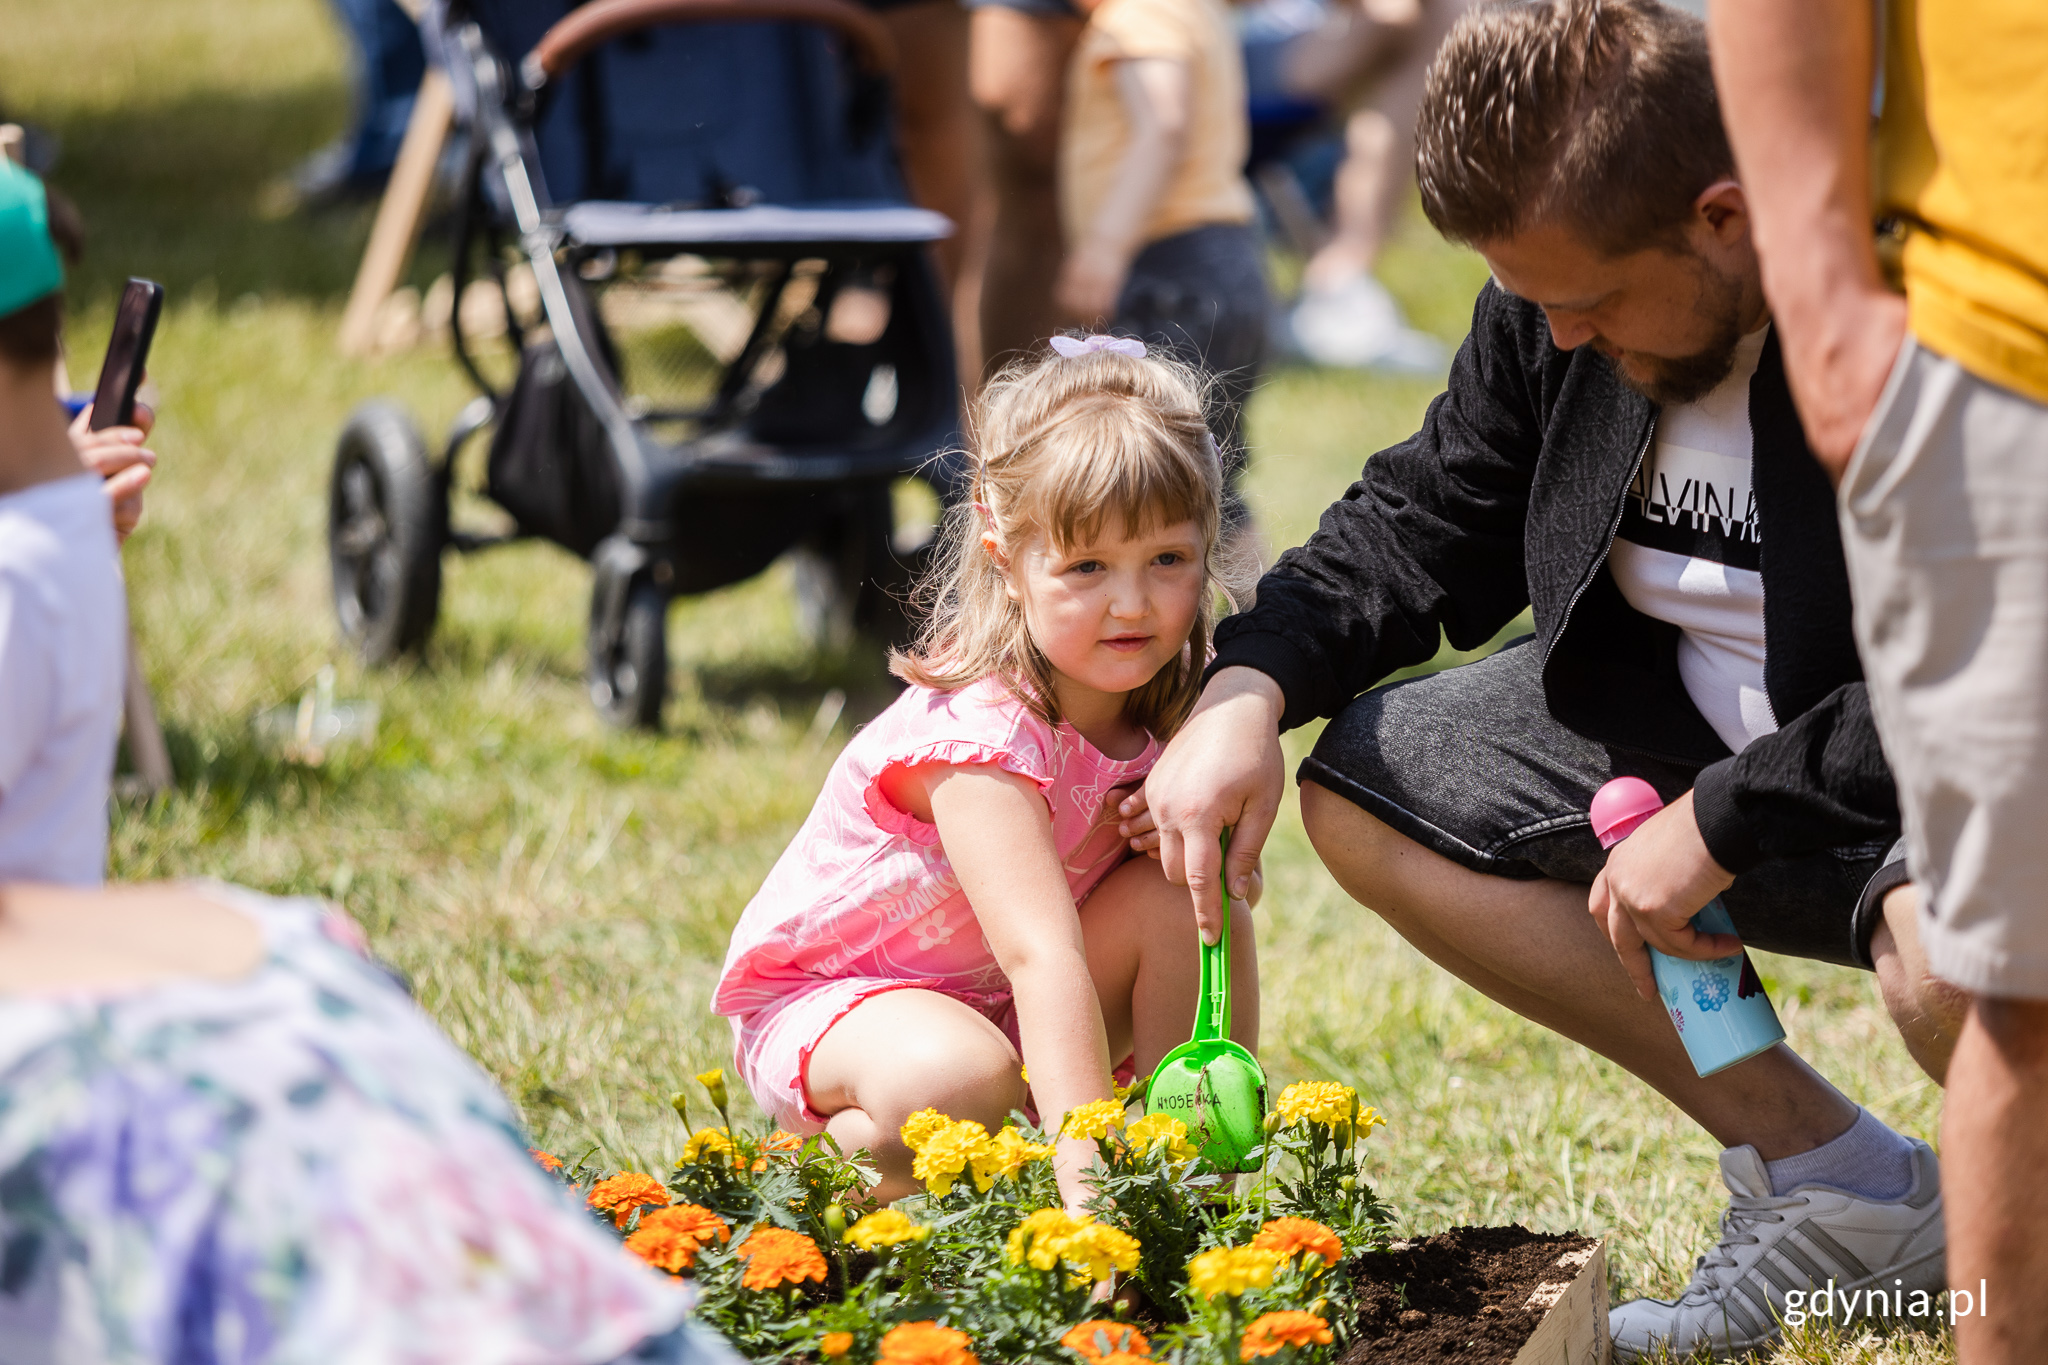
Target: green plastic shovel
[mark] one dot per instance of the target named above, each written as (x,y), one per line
(1209,1083)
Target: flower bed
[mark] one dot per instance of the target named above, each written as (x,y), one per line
(1171,1261)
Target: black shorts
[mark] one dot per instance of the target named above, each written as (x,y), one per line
(1201,295)
(1470,763)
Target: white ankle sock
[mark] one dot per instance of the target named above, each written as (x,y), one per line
(1870,1161)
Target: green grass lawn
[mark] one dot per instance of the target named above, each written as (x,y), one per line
(560,893)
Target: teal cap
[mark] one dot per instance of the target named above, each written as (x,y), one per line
(29,267)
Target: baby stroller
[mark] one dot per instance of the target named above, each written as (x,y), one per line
(730,342)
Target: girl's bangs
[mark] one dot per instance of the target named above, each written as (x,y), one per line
(1147,475)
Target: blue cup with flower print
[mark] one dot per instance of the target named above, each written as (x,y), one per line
(1720,1009)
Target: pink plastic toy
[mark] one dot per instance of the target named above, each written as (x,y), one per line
(1620,807)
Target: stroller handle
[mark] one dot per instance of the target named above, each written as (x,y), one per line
(588,26)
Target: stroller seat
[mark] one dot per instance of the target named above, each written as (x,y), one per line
(602,223)
(733,342)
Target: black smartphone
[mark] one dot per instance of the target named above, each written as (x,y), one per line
(113,403)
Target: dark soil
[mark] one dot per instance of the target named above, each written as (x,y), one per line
(1456,1298)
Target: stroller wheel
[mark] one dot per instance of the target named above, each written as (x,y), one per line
(385,528)
(629,679)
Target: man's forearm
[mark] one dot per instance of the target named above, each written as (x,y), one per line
(1795,87)
(1795,83)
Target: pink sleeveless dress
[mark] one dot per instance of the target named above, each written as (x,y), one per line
(864,900)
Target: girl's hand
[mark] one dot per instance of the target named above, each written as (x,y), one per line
(1090,279)
(118,456)
(1137,827)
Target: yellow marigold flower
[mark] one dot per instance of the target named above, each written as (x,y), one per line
(1324,1102)
(777,1256)
(670,1238)
(714,1081)
(1101,1338)
(919,1127)
(624,1192)
(1369,1119)
(1006,1154)
(835,1344)
(925,1343)
(1161,1130)
(1093,1120)
(706,1144)
(548,1160)
(947,1153)
(1270,1332)
(1231,1270)
(885,1228)
(1039,1239)
(1049,1236)
(1097,1249)
(1285,1237)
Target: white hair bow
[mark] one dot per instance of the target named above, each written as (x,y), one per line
(1071,347)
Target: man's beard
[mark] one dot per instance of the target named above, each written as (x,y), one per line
(1688,378)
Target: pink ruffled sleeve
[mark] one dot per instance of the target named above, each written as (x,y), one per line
(976,725)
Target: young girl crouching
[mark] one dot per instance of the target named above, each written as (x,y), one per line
(964,890)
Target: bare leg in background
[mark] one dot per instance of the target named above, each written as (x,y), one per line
(1017,67)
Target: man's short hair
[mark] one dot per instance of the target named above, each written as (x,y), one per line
(1599,114)
(34,335)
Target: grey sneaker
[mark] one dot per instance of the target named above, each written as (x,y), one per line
(1772,1244)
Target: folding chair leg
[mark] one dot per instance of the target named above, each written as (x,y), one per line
(399,214)
(145,737)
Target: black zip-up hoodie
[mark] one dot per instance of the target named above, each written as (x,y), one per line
(1508,498)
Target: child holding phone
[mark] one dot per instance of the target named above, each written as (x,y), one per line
(63,608)
(963,891)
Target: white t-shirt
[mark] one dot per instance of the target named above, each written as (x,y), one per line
(63,659)
(1687,551)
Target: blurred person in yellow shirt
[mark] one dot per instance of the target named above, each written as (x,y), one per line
(1155,208)
(1931,412)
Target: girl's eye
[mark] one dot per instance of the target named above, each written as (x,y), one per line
(1170,558)
(1085,566)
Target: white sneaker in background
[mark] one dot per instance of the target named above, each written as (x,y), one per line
(1774,1244)
(1357,325)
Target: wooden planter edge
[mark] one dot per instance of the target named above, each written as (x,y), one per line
(1574,1329)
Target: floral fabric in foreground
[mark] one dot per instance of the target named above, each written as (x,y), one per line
(292,1167)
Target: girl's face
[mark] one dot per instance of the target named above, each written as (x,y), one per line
(1113,612)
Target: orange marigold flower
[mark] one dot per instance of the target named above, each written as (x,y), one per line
(1286,1236)
(624,1192)
(777,1256)
(925,1343)
(1100,1339)
(548,1160)
(835,1344)
(669,1239)
(777,1143)
(1270,1332)
(1124,1358)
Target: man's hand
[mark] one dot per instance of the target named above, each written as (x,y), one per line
(1138,828)
(118,456)
(1838,368)
(1655,881)
(1222,771)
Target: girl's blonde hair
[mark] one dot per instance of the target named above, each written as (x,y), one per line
(1059,445)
